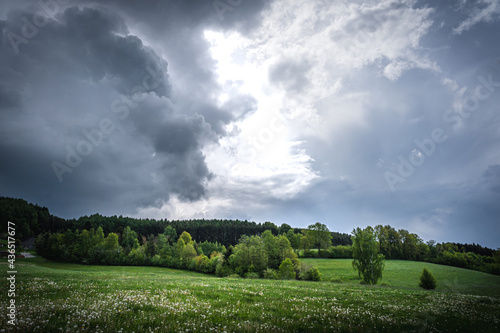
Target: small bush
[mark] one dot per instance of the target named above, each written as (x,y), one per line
(336,280)
(223,270)
(427,280)
(287,270)
(311,274)
(271,274)
(252,275)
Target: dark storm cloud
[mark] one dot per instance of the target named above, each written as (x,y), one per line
(242,15)
(492,178)
(9,98)
(141,73)
(82,70)
(177,27)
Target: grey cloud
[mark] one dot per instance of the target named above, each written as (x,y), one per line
(241,15)
(9,98)
(492,177)
(290,74)
(240,106)
(68,77)
(66,80)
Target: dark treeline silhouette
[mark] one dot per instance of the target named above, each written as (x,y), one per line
(32,220)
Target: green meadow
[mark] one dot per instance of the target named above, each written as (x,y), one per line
(57,297)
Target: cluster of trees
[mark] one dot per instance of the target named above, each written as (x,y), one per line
(404,245)
(263,255)
(401,244)
(32,220)
(314,241)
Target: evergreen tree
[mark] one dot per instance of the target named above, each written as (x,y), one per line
(427,280)
(151,248)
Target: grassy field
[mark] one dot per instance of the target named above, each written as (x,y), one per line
(54,297)
(405,274)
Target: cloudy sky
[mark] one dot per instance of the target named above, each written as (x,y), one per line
(350,113)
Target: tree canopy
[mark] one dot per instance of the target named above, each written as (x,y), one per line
(366,259)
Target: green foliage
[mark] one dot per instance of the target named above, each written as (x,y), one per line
(294,239)
(151,247)
(336,280)
(129,239)
(186,238)
(271,247)
(396,244)
(249,255)
(427,280)
(223,270)
(496,256)
(287,270)
(271,274)
(318,236)
(208,247)
(187,254)
(111,242)
(251,275)
(284,229)
(170,234)
(366,259)
(137,256)
(161,242)
(310,273)
(340,251)
(234,276)
(31,220)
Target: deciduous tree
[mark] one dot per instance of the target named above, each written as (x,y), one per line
(366,259)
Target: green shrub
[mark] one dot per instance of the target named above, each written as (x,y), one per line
(286,269)
(223,270)
(311,274)
(427,280)
(252,275)
(271,274)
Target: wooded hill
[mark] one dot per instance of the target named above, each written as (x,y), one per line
(32,220)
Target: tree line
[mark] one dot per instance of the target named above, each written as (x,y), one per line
(314,241)
(32,220)
(404,245)
(256,256)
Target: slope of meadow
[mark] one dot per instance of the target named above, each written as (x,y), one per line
(405,274)
(55,297)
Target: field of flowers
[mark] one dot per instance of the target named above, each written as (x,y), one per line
(53,297)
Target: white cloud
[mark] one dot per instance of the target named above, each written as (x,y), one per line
(490,11)
(294,66)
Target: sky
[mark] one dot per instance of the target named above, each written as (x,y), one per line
(348,113)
